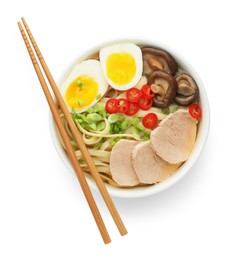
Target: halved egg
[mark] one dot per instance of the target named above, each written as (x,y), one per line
(122,65)
(84,86)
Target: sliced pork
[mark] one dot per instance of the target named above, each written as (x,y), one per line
(121,164)
(149,167)
(175,136)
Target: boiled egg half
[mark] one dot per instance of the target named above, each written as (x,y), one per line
(84,86)
(122,65)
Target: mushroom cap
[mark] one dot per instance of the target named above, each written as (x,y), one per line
(165,87)
(156,59)
(187,91)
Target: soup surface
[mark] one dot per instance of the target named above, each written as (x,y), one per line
(137,110)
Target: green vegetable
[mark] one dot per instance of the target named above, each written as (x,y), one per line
(97,145)
(174,109)
(98,108)
(79,83)
(81,161)
(135,120)
(136,133)
(115,140)
(105,115)
(94,117)
(84,125)
(126,124)
(80,102)
(93,126)
(146,136)
(117,127)
(111,129)
(80,118)
(115,117)
(171,109)
(100,126)
(166,111)
(98,96)
(140,128)
(73,114)
(90,110)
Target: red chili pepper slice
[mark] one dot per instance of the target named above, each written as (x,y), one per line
(122,105)
(133,95)
(150,121)
(111,106)
(195,111)
(145,103)
(147,92)
(133,109)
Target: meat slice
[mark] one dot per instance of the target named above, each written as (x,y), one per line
(121,164)
(175,136)
(149,167)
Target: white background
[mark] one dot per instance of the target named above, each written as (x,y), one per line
(43,213)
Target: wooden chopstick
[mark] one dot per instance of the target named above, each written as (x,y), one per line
(77,136)
(78,170)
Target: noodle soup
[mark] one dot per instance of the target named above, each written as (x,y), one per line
(140,110)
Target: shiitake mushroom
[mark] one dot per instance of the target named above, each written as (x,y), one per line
(155,59)
(161,70)
(165,87)
(187,91)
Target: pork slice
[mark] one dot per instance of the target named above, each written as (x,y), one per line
(149,167)
(121,164)
(175,136)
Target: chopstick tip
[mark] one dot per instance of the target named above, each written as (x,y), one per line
(124,233)
(20,25)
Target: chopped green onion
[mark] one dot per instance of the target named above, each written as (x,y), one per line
(116,128)
(94,117)
(146,136)
(81,161)
(80,102)
(84,125)
(98,108)
(92,126)
(97,145)
(174,109)
(135,131)
(79,83)
(136,134)
(135,120)
(115,117)
(105,115)
(115,140)
(100,126)
(111,129)
(126,124)
(139,128)
(166,111)
(73,114)
(90,110)
(98,96)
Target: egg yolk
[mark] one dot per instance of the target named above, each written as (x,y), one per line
(121,68)
(81,92)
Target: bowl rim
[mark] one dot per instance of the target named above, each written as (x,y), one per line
(199,145)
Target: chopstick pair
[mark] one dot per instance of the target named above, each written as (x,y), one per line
(70,151)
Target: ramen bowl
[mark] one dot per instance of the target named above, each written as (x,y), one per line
(202,133)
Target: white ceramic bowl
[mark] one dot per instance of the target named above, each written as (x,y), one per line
(201,137)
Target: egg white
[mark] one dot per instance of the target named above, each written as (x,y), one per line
(91,68)
(130,48)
